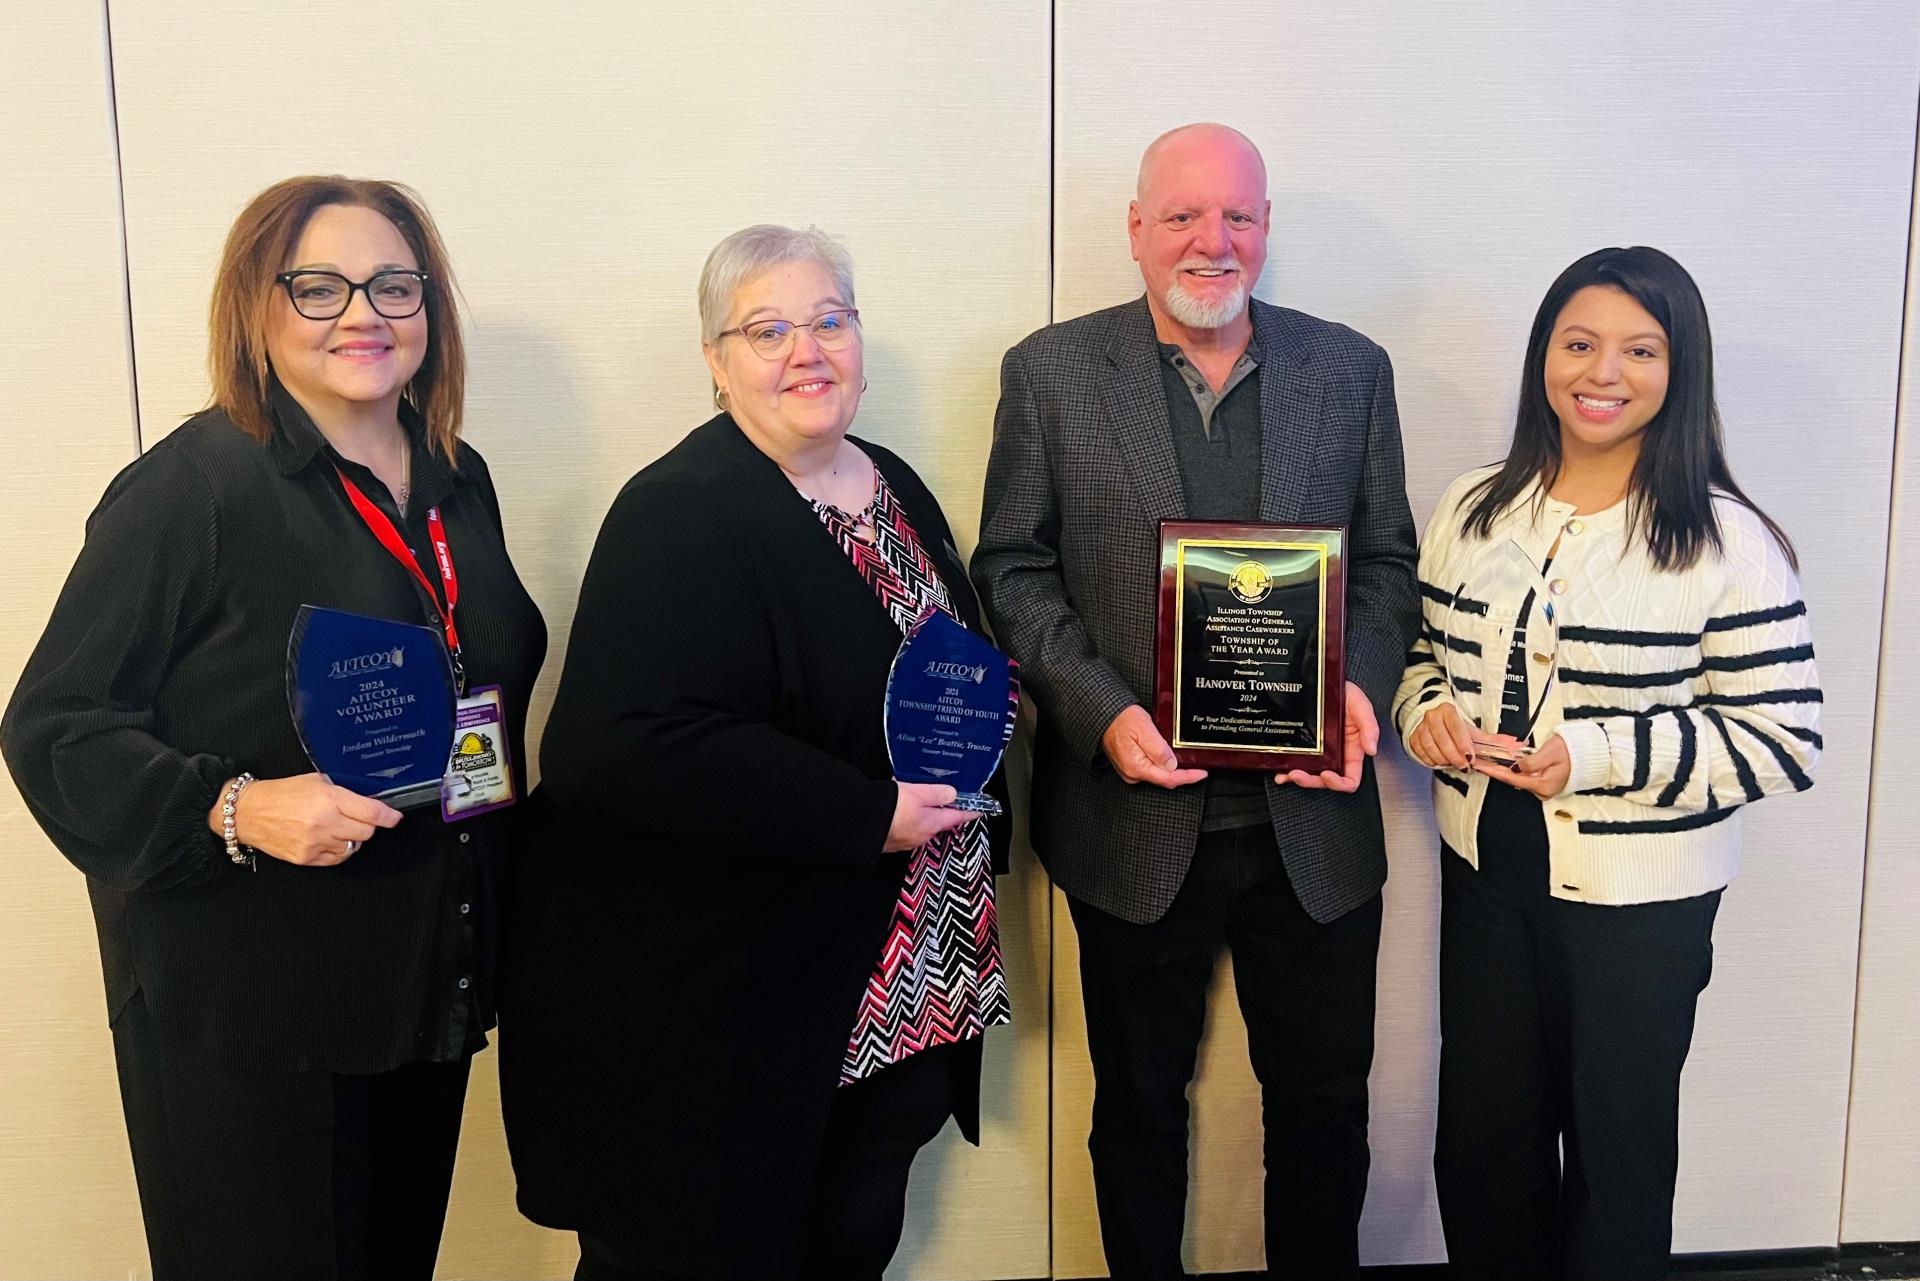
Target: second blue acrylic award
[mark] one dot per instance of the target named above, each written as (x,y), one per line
(952,700)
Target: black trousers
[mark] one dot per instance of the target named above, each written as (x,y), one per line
(858,1202)
(1306,991)
(308,1176)
(1564,1028)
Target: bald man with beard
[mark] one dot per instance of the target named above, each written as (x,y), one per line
(1198,402)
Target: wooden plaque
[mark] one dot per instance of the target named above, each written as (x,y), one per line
(1250,668)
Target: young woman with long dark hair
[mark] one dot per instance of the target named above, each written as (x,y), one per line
(1615,658)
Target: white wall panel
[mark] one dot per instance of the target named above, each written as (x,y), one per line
(1432,170)
(66,426)
(1882,1200)
(581,160)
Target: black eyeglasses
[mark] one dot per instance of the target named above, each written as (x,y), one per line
(326,295)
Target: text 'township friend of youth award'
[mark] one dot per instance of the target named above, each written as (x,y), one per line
(952,700)
(372,700)
(1250,645)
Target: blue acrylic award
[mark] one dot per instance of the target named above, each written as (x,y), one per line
(373,701)
(952,700)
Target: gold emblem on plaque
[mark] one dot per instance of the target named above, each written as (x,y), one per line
(1250,582)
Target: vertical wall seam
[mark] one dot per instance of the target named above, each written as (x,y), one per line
(1053,156)
(1053,926)
(120,193)
(1900,405)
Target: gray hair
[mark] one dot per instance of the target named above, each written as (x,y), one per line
(759,248)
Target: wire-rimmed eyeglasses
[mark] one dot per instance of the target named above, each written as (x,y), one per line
(773,339)
(326,295)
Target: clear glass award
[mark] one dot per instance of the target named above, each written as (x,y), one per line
(373,703)
(952,700)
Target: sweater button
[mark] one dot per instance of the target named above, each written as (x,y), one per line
(1563,816)
(1541,658)
(1574,527)
(465,983)
(465,908)
(465,837)
(1558,587)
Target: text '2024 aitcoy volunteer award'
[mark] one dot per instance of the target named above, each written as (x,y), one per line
(952,700)
(1249,661)
(373,702)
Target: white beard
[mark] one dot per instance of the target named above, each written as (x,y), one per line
(1195,314)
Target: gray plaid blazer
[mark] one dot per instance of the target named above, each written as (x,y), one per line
(1083,470)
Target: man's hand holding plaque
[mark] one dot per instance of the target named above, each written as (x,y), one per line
(1139,753)
(1362,740)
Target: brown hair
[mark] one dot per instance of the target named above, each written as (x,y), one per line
(258,248)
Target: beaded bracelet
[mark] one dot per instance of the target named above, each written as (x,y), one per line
(235,850)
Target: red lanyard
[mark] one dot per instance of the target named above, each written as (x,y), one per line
(390,539)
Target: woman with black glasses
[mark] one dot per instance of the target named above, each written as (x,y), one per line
(297,975)
(1615,659)
(751,970)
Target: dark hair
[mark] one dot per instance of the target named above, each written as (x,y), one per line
(1683,460)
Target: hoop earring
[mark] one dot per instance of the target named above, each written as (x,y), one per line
(863,385)
(720,400)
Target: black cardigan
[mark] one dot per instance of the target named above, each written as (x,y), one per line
(691,935)
(163,672)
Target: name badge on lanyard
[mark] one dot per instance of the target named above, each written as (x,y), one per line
(479,773)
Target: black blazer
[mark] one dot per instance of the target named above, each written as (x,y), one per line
(1083,470)
(691,936)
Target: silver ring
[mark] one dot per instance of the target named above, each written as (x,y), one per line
(351,847)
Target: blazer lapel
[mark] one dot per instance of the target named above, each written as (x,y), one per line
(1137,407)
(1289,418)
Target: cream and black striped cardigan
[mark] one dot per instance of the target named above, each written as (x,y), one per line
(1680,695)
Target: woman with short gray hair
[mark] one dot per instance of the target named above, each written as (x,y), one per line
(752,980)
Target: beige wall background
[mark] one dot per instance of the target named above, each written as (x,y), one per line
(1432,170)
(64,1168)
(1883,1134)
